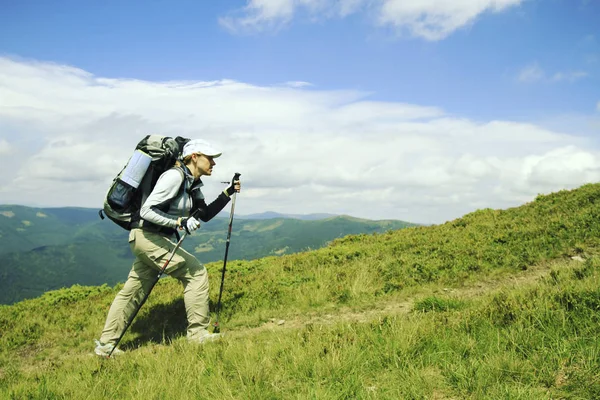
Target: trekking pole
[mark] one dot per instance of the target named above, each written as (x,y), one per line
(162,270)
(217,328)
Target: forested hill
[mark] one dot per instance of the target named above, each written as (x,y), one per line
(49,248)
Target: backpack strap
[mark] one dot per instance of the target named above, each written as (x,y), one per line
(183,185)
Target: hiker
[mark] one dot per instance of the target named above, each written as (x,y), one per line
(174,198)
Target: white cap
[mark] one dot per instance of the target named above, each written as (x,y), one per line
(200,146)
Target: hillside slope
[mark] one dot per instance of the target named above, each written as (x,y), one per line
(532,339)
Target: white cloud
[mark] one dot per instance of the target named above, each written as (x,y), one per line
(428,19)
(531,73)
(534,73)
(571,76)
(300,150)
(5,147)
(563,166)
(261,14)
(436,19)
(298,84)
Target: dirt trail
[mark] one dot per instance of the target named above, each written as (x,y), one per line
(398,307)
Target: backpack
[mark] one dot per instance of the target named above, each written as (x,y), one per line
(153,155)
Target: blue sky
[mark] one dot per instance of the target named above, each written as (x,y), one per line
(488,67)
(164,40)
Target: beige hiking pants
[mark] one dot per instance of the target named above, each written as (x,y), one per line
(151,251)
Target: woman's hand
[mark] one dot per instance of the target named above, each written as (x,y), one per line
(235,187)
(189,224)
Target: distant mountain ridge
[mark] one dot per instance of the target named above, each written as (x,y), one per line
(49,248)
(273,214)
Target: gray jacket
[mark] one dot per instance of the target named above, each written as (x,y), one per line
(173,196)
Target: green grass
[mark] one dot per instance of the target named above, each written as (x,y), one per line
(497,310)
(537,341)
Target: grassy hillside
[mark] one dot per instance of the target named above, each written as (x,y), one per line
(46,249)
(487,306)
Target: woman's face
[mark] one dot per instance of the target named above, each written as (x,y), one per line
(204,164)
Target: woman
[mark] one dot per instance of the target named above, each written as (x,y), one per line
(174,198)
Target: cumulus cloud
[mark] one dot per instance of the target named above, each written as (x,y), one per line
(427,19)
(560,166)
(299,149)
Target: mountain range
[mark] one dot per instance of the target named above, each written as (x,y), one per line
(49,248)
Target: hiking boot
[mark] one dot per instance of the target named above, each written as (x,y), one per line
(211,337)
(103,350)
(205,338)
